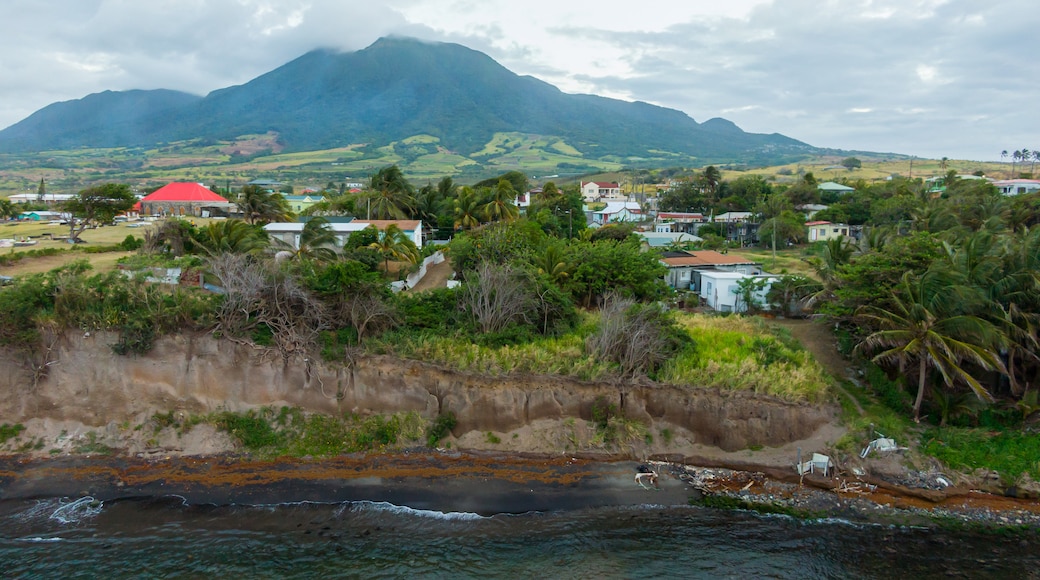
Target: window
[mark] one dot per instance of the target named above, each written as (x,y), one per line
(685,275)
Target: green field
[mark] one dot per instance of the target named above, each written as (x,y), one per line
(422,158)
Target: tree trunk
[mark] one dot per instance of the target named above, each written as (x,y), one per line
(920,389)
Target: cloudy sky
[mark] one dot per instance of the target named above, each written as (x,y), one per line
(931,78)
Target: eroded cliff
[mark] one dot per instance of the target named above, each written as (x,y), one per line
(87,383)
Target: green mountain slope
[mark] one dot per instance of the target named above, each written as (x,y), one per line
(394,89)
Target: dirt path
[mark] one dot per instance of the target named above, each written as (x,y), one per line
(437,276)
(820,341)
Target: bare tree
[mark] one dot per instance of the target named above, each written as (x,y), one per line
(497,296)
(369,310)
(256,293)
(638,337)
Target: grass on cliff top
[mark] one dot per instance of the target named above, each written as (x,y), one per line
(731,353)
(742,353)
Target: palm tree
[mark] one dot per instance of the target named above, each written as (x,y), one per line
(943,164)
(1034,159)
(1015,156)
(7,209)
(390,196)
(394,243)
(501,206)
(836,253)
(552,262)
(261,206)
(427,204)
(921,328)
(466,209)
(772,208)
(317,241)
(231,237)
(711,178)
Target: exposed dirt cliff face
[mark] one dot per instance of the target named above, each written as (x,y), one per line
(88,384)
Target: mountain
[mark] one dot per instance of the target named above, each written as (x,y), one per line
(108,119)
(394,89)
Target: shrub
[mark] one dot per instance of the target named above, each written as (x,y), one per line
(252,430)
(130,243)
(440,428)
(10,431)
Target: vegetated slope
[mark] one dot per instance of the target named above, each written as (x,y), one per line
(107,119)
(394,89)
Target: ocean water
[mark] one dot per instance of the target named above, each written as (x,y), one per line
(168,538)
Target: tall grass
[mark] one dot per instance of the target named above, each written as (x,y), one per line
(732,353)
(738,353)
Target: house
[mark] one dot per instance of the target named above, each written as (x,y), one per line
(37,216)
(831,187)
(47,198)
(183,199)
(523,200)
(678,222)
(289,232)
(738,226)
(721,291)
(267,184)
(594,190)
(821,231)
(298,203)
(811,209)
(685,268)
(1017,186)
(617,211)
(664,239)
(937,184)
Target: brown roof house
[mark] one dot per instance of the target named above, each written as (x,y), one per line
(685,268)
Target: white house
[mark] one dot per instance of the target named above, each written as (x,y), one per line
(719,290)
(289,232)
(685,268)
(1017,186)
(821,231)
(47,198)
(617,211)
(733,217)
(594,190)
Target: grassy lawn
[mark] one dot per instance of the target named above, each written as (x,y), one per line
(44,233)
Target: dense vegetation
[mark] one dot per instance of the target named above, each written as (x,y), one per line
(939,298)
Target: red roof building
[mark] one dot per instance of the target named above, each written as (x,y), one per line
(182,199)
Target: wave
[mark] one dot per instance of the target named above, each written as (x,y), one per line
(386,507)
(38,540)
(76,511)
